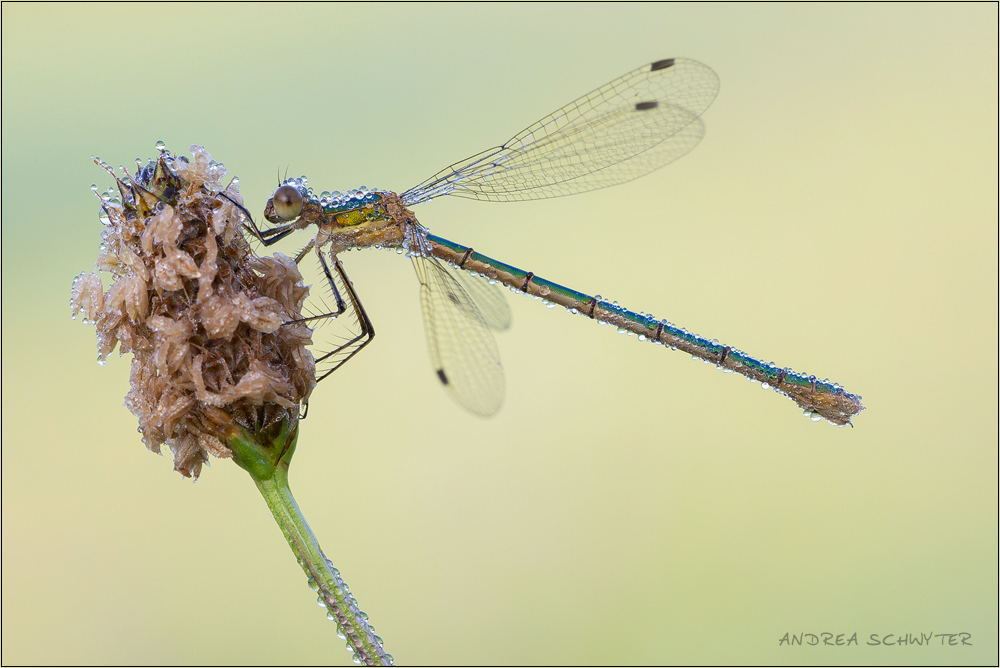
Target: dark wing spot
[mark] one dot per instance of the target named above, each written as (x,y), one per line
(661,64)
(643,106)
(443,378)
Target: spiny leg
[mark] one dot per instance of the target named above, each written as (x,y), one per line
(341,305)
(353,345)
(309,247)
(367,331)
(266,237)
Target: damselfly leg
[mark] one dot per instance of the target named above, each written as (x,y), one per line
(317,313)
(327,363)
(267,237)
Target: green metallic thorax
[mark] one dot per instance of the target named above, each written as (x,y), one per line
(359,218)
(352,211)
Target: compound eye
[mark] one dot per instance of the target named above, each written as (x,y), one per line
(287,202)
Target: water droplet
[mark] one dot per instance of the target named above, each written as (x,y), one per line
(160,146)
(764,386)
(544,290)
(815,417)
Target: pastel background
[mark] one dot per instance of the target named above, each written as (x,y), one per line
(627,505)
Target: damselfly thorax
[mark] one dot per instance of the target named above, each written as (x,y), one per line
(359,218)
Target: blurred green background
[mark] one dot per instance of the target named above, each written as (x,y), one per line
(627,505)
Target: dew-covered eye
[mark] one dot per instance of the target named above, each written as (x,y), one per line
(287,202)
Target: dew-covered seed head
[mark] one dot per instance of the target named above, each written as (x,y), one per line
(287,202)
(200,312)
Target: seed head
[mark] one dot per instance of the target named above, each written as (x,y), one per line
(202,315)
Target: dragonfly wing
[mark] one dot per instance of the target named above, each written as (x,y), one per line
(621,131)
(488,297)
(462,348)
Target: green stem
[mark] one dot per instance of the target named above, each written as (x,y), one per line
(265,455)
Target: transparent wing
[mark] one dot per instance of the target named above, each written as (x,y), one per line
(488,297)
(462,348)
(621,131)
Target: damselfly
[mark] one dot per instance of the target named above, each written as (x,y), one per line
(621,131)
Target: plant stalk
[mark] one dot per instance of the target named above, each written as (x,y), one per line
(266,455)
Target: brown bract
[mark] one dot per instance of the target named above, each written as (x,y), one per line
(200,312)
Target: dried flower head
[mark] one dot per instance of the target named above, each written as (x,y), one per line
(202,315)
